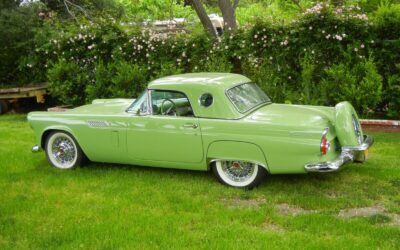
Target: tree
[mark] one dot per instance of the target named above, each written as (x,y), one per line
(228,10)
(197,5)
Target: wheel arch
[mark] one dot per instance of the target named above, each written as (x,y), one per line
(236,150)
(64,129)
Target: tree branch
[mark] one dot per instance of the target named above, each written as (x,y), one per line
(69,12)
(235,4)
(67,2)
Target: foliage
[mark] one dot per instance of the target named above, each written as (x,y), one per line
(67,82)
(119,79)
(359,84)
(293,61)
(17,27)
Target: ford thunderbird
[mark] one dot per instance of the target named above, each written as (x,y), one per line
(203,121)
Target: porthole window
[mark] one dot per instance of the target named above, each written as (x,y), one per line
(206,100)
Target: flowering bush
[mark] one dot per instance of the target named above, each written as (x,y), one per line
(295,62)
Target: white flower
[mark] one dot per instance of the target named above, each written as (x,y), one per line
(255,36)
(289,77)
(362,46)
(226,47)
(355,49)
(323,31)
(310,28)
(270,58)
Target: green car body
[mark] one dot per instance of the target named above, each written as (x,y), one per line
(281,138)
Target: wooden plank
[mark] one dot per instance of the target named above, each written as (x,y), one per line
(23,89)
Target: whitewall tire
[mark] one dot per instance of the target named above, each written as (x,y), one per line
(63,151)
(241,174)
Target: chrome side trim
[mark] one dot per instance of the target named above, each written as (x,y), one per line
(254,162)
(35,148)
(349,154)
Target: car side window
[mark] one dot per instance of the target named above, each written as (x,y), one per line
(170,103)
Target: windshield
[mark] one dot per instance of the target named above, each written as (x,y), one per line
(247,96)
(140,104)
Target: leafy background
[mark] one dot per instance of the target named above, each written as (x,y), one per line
(318,53)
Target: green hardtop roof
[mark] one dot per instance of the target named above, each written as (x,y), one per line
(194,85)
(219,80)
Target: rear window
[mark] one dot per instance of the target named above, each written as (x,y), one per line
(247,96)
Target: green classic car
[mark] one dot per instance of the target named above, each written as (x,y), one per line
(200,121)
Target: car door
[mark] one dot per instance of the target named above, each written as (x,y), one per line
(164,129)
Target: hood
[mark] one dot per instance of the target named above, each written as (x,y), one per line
(295,115)
(104,106)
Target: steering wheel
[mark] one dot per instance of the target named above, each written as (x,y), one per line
(171,108)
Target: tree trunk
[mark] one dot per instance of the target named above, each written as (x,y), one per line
(228,13)
(202,14)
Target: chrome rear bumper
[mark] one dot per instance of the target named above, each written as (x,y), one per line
(349,154)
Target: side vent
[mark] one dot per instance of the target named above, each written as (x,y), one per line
(98,124)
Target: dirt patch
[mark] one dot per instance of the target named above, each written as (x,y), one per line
(286,209)
(360,212)
(374,213)
(237,202)
(268,226)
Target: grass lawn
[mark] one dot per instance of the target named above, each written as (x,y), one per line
(109,206)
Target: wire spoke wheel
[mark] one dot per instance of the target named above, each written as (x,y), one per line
(62,151)
(238,173)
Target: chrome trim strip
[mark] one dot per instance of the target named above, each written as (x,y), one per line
(35,148)
(349,154)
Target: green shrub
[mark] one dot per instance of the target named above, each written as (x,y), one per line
(392,95)
(119,79)
(68,82)
(360,84)
(319,58)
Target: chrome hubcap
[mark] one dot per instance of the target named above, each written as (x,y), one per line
(238,171)
(63,150)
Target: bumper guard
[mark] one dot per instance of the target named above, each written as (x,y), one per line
(35,148)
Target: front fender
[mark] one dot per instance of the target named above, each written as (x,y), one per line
(236,150)
(41,137)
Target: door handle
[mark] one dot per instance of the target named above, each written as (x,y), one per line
(190,125)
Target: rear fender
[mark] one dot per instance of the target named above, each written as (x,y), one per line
(347,124)
(236,150)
